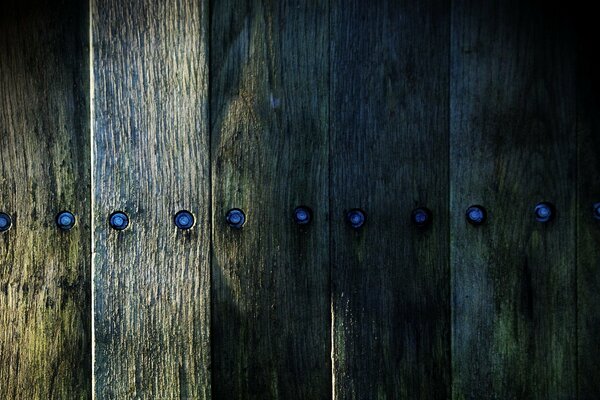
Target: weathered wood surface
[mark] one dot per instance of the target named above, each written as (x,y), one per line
(588,228)
(150,129)
(384,105)
(45,339)
(389,141)
(512,135)
(269,113)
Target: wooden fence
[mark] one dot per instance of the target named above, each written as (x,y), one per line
(383,107)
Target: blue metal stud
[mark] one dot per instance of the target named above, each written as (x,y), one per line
(302,215)
(5,222)
(236,218)
(597,210)
(356,218)
(421,217)
(544,212)
(476,215)
(184,219)
(65,220)
(119,220)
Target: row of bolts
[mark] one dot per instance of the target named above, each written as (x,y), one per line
(356,218)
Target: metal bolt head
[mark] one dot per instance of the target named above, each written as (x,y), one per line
(544,212)
(421,217)
(476,215)
(235,218)
(65,220)
(5,222)
(356,218)
(302,215)
(119,220)
(597,210)
(184,219)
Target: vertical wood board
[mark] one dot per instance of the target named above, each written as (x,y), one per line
(269,129)
(389,155)
(512,145)
(150,126)
(45,337)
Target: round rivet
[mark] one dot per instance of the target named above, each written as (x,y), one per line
(119,220)
(184,219)
(597,210)
(302,215)
(421,217)
(356,218)
(5,222)
(65,220)
(544,212)
(476,215)
(235,218)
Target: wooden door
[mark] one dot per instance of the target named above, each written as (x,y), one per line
(348,139)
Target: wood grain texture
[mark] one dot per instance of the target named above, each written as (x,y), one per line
(45,340)
(512,136)
(269,113)
(389,141)
(150,124)
(588,228)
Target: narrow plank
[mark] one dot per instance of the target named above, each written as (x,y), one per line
(588,228)
(512,145)
(269,113)
(389,141)
(150,123)
(45,337)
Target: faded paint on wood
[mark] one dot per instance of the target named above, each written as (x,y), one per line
(512,145)
(389,141)
(269,113)
(45,340)
(150,127)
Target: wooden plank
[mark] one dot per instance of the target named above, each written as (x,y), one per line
(269,113)
(512,135)
(389,141)
(588,227)
(45,340)
(150,126)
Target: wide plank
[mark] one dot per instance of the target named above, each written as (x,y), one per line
(389,155)
(150,147)
(512,145)
(269,154)
(45,302)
